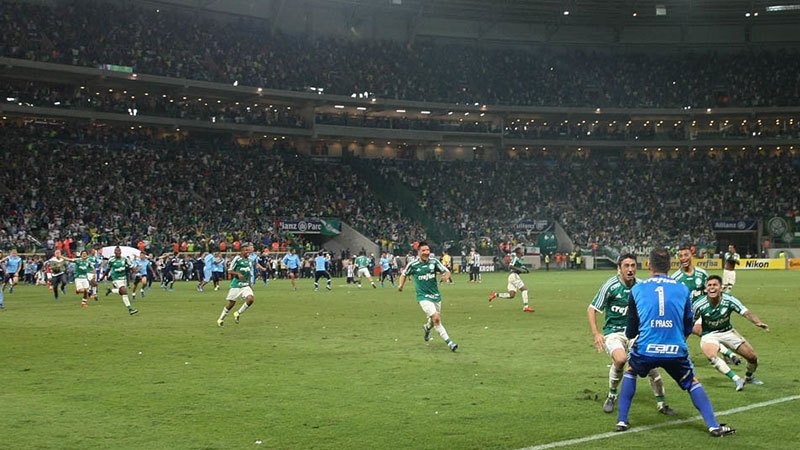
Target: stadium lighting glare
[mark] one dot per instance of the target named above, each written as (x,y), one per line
(400,110)
(635,14)
(259,90)
(449,113)
(236,83)
(424,112)
(782,8)
(338,106)
(361,108)
(747,14)
(566,13)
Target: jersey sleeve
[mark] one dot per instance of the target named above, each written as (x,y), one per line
(440,267)
(737,305)
(599,300)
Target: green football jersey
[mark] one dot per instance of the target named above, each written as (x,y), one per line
(362,262)
(119,268)
(612,300)
(424,274)
(717,318)
(241,265)
(83,268)
(696,282)
(517,262)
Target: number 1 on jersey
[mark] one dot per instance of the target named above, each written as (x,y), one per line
(660,291)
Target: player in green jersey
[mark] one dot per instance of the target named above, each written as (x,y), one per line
(117,268)
(715,309)
(240,268)
(83,267)
(362,267)
(515,283)
(423,270)
(695,278)
(612,300)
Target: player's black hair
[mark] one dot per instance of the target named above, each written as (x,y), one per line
(625,256)
(660,260)
(684,247)
(423,243)
(714,277)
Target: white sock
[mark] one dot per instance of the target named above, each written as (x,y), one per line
(504,295)
(525,297)
(126,301)
(442,332)
(656,382)
(243,308)
(614,377)
(224,314)
(720,365)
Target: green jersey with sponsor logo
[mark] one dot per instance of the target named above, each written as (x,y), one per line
(241,265)
(517,262)
(83,268)
(424,274)
(717,318)
(119,268)
(696,282)
(612,300)
(362,262)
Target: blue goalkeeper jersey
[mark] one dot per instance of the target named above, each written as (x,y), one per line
(660,312)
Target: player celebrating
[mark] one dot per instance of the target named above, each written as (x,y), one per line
(240,270)
(321,264)
(83,267)
(731,260)
(117,268)
(660,319)
(423,269)
(612,300)
(96,260)
(714,309)
(13,264)
(142,270)
(362,264)
(515,283)
(695,278)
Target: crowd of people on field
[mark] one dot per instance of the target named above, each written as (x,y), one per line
(182,45)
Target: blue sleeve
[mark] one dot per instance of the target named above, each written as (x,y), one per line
(632,330)
(688,317)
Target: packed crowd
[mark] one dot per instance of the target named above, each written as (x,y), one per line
(611,201)
(109,186)
(180,45)
(144,103)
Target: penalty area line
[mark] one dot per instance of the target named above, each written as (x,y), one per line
(597,437)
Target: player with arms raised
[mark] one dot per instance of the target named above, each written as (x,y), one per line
(612,300)
(714,310)
(516,267)
(424,269)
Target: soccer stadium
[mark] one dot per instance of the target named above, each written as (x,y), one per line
(399,224)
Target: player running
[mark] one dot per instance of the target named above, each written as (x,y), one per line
(516,267)
(117,268)
(714,310)
(142,272)
(240,270)
(423,269)
(13,265)
(362,265)
(292,263)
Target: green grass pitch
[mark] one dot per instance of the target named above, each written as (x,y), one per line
(348,369)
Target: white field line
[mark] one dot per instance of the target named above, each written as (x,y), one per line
(597,437)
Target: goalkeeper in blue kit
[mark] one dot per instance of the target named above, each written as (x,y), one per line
(660,314)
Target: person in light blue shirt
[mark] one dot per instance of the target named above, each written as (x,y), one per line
(321,262)
(660,317)
(386,269)
(13,263)
(217,269)
(253,257)
(292,263)
(208,268)
(142,265)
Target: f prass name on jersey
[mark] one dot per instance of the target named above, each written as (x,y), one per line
(658,323)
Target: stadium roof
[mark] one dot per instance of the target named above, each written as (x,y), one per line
(583,12)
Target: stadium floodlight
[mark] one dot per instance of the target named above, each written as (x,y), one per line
(424,112)
(566,12)
(361,108)
(338,106)
(782,8)
(400,110)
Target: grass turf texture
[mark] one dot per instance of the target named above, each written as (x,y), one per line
(349,369)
